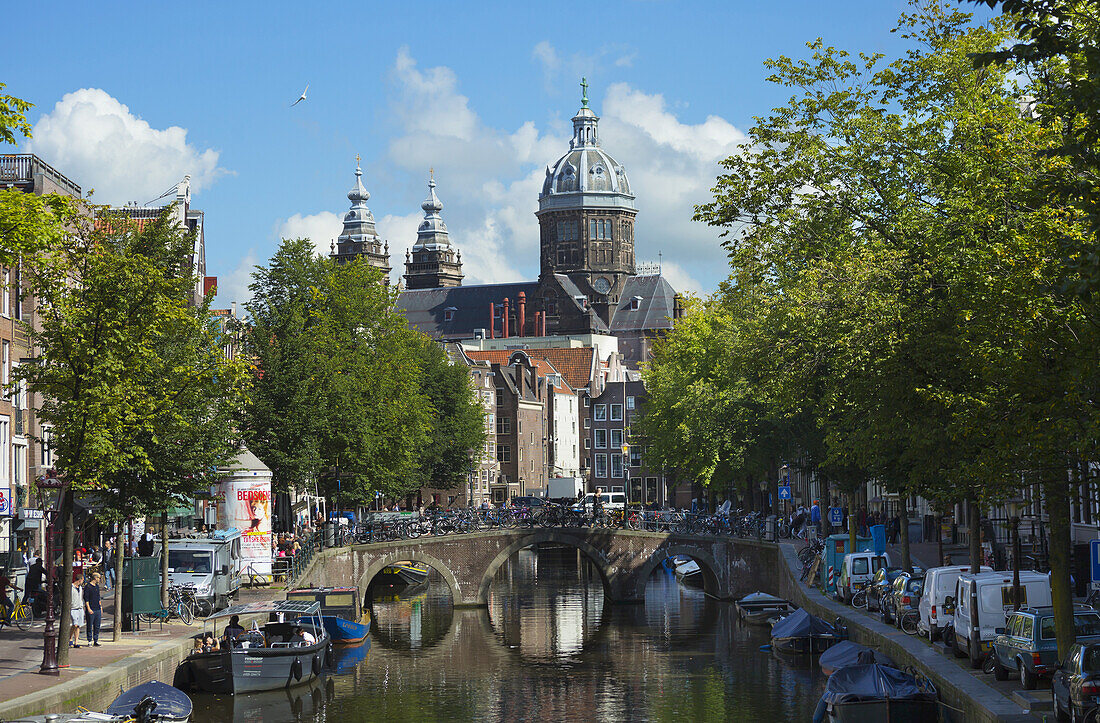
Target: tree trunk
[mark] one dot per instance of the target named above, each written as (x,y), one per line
(1057,504)
(851,524)
(903,532)
(164,559)
(120,554)
(65,580)
(974,523)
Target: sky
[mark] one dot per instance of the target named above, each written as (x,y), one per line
(131,97)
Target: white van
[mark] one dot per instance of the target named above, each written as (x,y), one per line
(211,564)
(939,583)
(611,500)
(856,572)
(982,602)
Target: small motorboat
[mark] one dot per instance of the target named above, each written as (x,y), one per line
(688,571)
(264,658)
(152,702)
(847,653)
(759,608)
(877,692)
(402,573)
(803,634)
(345,620)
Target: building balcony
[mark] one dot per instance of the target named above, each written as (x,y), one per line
(26,171)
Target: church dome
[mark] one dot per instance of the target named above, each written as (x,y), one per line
(586,175)
(432,232)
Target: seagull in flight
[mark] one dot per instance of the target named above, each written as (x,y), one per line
(301,97)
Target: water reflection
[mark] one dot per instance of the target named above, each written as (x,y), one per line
(549,647)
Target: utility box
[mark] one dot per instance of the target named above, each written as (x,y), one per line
(141,585)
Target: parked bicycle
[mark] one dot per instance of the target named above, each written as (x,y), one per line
(179,607)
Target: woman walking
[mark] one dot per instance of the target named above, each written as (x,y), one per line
(93,609)
(76,611)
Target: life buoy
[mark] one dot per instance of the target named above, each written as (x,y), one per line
(296,669)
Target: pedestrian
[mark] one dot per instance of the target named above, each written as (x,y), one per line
(93,609)
(109,563)
(145,545)
(76,611)
(6,583)
(35,574)
(815,517)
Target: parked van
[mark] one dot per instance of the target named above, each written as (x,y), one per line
(212,564)
(611,500)
(856,572)
(939,583)
(832,558)
(983,601)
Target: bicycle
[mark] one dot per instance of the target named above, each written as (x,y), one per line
(22,616)
(859,600)
(908,621)
(178,607)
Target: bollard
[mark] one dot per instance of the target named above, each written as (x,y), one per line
(330,534)
(769,530)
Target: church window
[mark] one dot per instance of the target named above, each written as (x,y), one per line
(600,229)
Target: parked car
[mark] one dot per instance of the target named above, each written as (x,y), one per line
(904,595)
(1026,645)
(939,583)
(856,572)
(880,587)
(527,502)
(1076,682)
(981,605)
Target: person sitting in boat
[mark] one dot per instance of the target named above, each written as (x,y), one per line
(210,643)
(303,637)
(233,629)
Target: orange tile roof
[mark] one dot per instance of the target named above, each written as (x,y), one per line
(574,364)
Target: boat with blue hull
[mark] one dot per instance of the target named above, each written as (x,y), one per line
(344,618)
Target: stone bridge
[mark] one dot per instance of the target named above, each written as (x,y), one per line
(625,559)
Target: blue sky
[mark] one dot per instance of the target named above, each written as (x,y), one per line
(129,97)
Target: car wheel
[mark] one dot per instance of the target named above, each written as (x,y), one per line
(933,633)
(975,653)
(999,671)
(1028,679)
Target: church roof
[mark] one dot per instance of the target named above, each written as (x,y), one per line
(426,309)
(655,298)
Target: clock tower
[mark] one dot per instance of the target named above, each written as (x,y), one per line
(586,216)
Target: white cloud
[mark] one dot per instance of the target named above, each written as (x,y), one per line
(234,286)
(320,228)
(102,145)
(680,279)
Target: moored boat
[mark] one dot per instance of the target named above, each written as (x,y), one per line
(877,693)
(342,613)
(847,653)
(402,573)
(264,658)
(688,572)
(803,634)
(169,705)
(759,608)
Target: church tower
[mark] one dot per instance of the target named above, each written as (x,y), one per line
(434,262)
(359,237)
(586,216)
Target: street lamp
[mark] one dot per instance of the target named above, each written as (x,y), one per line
(1015,509)
(763,492)
(52,490)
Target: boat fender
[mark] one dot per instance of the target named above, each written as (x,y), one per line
(765,648)
(316,664)
(296,669)
(328,656)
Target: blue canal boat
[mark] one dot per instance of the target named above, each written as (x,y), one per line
(344,619)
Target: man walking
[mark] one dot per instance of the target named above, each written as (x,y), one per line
(93,610)
(815,517)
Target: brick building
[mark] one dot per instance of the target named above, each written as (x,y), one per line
(617,457)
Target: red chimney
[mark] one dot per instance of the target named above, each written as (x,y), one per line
(492,319)
(542,324)
(504,327)
(521,323)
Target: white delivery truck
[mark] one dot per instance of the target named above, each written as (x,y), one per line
(856,573)
(564,488)
(939,583)
(610,500)
(211,564)
(982,602)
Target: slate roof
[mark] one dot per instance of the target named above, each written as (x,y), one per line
(426,308)
(654,307)
(574,364)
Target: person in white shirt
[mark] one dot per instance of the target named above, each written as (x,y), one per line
(76,612)
(303,637)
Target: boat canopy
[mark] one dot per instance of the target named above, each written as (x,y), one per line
(287,607)
(846,653)
(864,683)
(172,704)
(800,624)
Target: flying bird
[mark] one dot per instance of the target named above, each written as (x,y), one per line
(301,97)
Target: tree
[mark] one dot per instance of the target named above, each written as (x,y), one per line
(113,313)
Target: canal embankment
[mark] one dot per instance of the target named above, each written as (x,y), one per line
(964,697)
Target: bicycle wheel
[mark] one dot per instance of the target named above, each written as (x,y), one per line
(203,608)
(859,600)
(22,617)
(909,622)
(184,613)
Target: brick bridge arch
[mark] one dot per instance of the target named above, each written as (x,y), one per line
(625,559)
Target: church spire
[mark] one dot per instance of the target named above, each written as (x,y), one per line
(434,262)
(359,237)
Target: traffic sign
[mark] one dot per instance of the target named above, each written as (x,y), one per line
(836,516)
(1094,558)
(784,492)
(5,501)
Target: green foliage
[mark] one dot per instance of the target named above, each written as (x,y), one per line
(13,120)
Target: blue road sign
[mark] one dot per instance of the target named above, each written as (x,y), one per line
(784,492)
(836,516)
(1094,557)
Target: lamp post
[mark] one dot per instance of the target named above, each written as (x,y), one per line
(1015,508)
(52,490)
(763,493)
(470,478)
(785,479)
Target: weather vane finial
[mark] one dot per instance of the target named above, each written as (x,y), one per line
(584,92)
(356,160)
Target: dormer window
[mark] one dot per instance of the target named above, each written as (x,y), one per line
(449,313)
(635,303)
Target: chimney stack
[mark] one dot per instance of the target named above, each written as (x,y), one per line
(504,326)
(521,322)
(492,319)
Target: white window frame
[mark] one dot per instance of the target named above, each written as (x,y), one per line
(5,305)
(616,433)
(616,417)
(5,448)
(600,470)
(616,466)
(599,413)
(599,437)
(629,403)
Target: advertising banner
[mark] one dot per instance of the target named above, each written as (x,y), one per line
(248,508)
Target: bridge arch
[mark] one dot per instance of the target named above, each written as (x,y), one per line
(378,564)
(712,583)
(598,558)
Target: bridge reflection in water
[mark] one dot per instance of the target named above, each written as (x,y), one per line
(549,647)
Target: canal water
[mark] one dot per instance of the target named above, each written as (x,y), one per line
(548,648)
